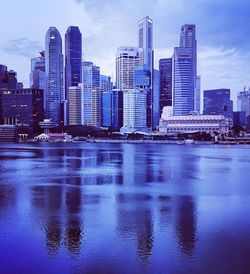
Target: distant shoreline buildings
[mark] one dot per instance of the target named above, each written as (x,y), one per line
(73,92)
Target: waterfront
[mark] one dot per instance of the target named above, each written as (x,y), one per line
(124,208)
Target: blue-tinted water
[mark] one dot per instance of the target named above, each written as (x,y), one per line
(124,208)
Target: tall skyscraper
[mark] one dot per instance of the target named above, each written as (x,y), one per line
(37,72)
(165,69)
(146,53)
(197,95)
(127,59)
(217,102)
(183,102)
(106,101)
(91,94)
(54,95)
(145,42)
(185,72)
(117,109)
(73,62)
(143,83)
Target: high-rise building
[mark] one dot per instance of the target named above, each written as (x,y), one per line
(217,102)
(91,94)
(146,53)
(156,98)
(37,73)
(143,83)
(127,59)
(54,95)
(240,119)
(185,72)
(8,81)
(23,107)
(117,109)
(243,101)
(183,101)
(134,111)
(73,62)
(75,105)
(145,42)
(165,69)
(197,95)
(106,101)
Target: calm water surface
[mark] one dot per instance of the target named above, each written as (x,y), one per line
(124,208)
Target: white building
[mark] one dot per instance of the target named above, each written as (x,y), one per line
(134,111)
(193,123)
(75,105)
(127,59)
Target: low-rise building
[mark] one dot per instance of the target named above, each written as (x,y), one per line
(193,123)
(8,133)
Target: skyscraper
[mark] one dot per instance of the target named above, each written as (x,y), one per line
(165,68)
(145,42)
(185,72)
(117,109)
(8,81)
(127,59)
(73,56)
(146,53)
(217,101)
(183,101)
(91,94)
(134,111)
(106,100)
(54,95)
(243,99)
(75,105)
(37,72)
(143,83)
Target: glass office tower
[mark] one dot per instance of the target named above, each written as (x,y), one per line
(54,95)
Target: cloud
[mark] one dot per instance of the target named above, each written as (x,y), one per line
(23,47)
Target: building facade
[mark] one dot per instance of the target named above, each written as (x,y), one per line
(134,111)
(23,107)
(166,92)
(73,62)
(243,101)
(37,72)
(183,101)
(8,81)
(75,105)
(127,59)
(186,96)
(217,102)
(146,53)
(91,94)
(117,109)
(106,101)
(193,123)
(54,95)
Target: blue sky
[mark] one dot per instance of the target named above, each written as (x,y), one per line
(222,32)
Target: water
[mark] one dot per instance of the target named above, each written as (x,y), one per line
(124,208)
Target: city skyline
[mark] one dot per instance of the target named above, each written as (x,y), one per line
(222,56)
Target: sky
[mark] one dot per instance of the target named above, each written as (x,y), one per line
(222,27)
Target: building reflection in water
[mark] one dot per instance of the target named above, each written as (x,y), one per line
(186,223)
(73,223)
(8,199)
(135,222)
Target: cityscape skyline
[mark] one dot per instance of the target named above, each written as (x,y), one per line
(221,56)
